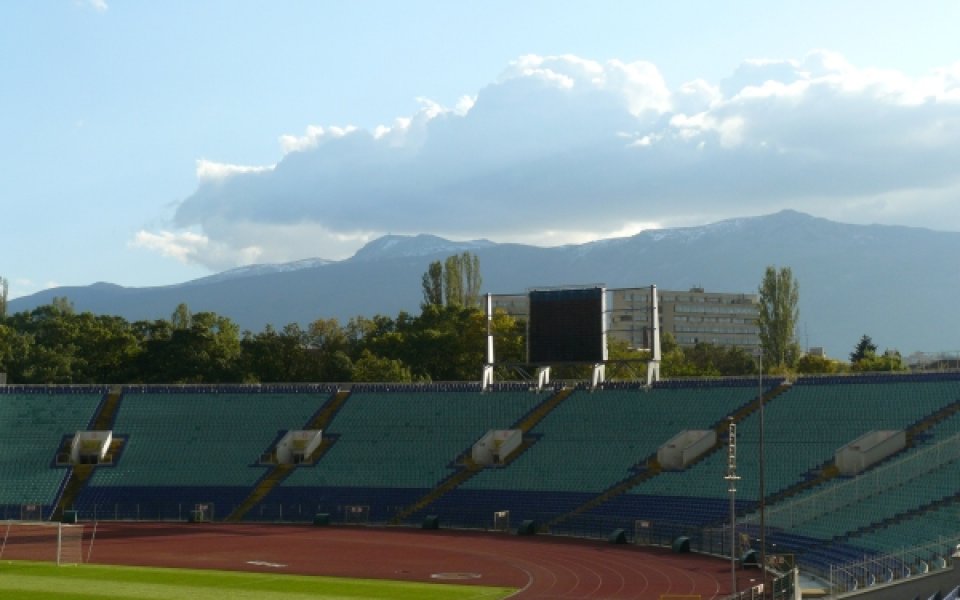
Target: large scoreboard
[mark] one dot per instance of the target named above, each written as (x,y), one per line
(566,325)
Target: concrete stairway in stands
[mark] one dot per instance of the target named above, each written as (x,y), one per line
(468,468)
(80,474)
(651,466)
(279,472)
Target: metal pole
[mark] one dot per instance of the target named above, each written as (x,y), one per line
(763,529)
(732,478)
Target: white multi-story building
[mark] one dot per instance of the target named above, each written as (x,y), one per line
(692,317)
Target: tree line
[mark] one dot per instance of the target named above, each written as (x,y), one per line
(56,344)
(446,341)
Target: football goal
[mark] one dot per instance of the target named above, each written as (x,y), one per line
(42,541)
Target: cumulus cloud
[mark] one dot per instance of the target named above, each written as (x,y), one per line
(210,171)
(224,245)
(314,136)
(559,148)
(183,246)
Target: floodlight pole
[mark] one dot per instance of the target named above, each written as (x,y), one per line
(763,504)
(732,478)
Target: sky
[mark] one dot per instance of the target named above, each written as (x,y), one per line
(150,143)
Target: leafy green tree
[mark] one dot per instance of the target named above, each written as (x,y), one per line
(52,334)
(361,330)
(443,343)
(331,347)
(108,346)
(16,350)
(472,280)
(865,349)
(814,364)
(673,362)
(207,351)
(634,361)
(264,356)
(370,367)
(4,289)
(888,361)
(278,356)
(779,314)
(7,335)
(157,362)
(710,359)
(463,280)
(453,281)
(54,344)
(668,343)
(30,361)
(433,284)
(337,366)
(326,335)
(383,336)
(509,339)
(703,359)
(181,317)
(864,358)
(63,305)
(221,341)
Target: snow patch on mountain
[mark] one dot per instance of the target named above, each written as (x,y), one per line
(263,269)
(405,246)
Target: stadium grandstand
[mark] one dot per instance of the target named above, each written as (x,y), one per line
(587,462)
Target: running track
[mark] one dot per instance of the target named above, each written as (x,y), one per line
(539,566)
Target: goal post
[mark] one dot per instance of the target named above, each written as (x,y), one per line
(31,512)
(42,541)
(69,544)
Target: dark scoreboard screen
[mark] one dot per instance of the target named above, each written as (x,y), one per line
(566,326)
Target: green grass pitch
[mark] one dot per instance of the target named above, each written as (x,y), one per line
(43,581)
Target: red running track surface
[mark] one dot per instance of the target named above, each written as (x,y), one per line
(538,566)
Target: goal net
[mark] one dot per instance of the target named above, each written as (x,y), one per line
(42,541)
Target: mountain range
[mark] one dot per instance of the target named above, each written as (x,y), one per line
(896,284)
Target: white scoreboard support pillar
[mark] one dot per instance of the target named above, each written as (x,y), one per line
(653,367)
(543,378)
(488,365)
(598,375)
